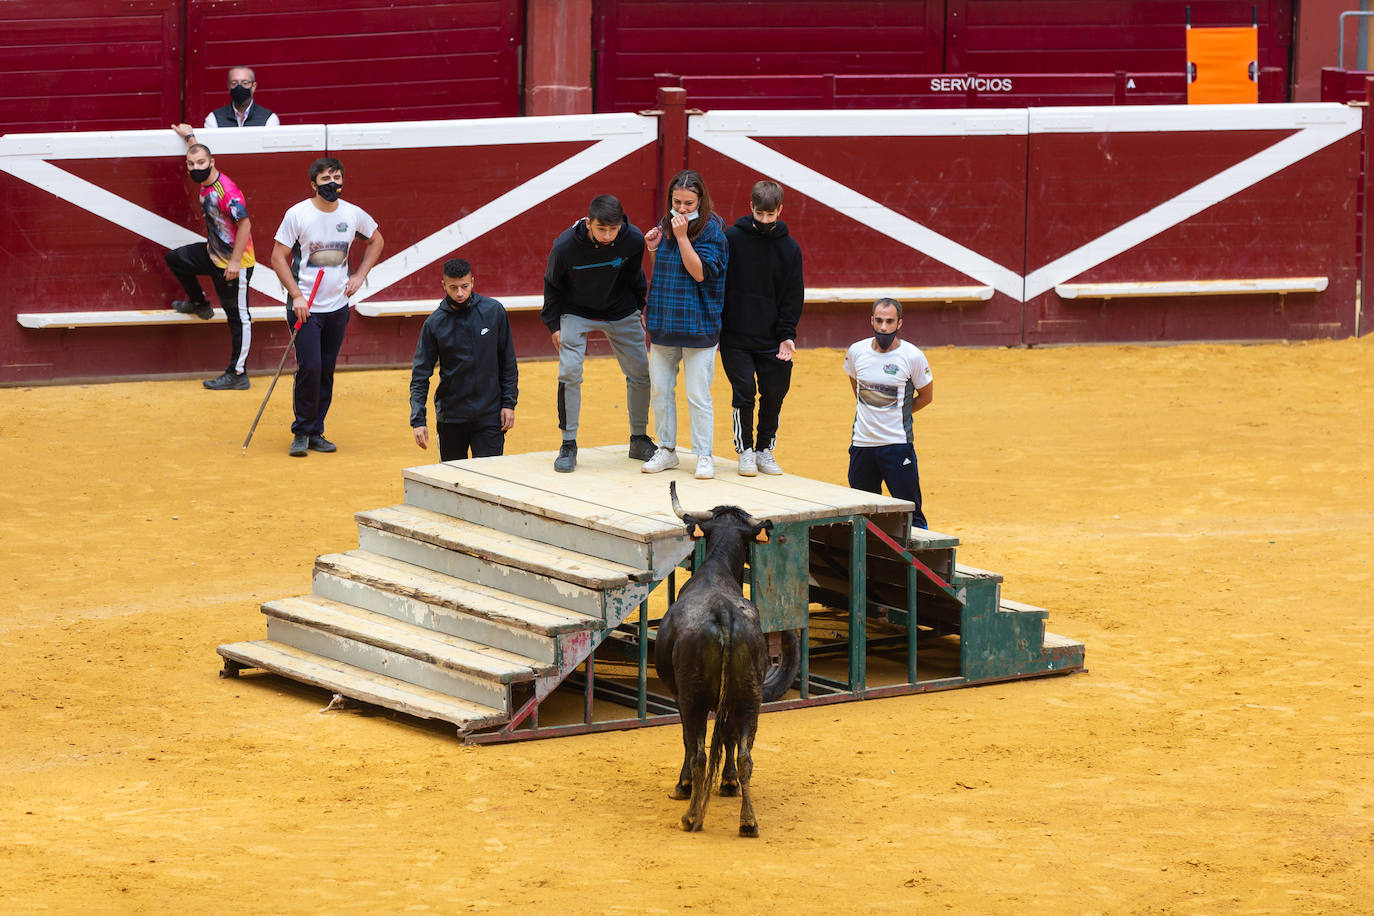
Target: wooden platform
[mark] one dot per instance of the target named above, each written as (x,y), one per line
(498,578)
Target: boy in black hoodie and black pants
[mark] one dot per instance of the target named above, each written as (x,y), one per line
(468,335)
(595,282)
(763,303)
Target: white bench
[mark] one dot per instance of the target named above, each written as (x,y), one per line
(1267,285)
(415,307)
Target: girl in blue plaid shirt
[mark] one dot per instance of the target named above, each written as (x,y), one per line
(686,295)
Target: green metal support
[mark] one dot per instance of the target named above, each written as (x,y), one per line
(588,694)
(912,581)
(644,659)
(858,604)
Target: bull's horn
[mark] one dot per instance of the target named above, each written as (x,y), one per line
(677,506)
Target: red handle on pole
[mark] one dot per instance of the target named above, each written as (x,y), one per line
(311,301)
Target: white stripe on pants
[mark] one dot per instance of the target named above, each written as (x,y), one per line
(699,368)
(240,359)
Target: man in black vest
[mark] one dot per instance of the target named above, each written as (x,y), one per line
(241,110)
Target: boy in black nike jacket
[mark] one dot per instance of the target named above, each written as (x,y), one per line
(468,335)
(763,303)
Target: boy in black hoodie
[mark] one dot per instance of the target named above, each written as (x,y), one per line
(595,282)
(763,303)
(468,335)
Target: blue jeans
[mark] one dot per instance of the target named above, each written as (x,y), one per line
(871,466)
(698,367)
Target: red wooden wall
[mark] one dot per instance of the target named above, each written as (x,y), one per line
(129,64)
(60,254)
(353,59)
(777,54)
(634,39)
(1088,36)
(85,65)
(1022,201)
(122,65)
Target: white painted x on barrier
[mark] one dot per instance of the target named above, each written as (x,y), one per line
(732,134)
(613,136)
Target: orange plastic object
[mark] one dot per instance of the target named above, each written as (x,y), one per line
(1222,61)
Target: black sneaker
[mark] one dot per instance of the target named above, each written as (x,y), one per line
(319,443)
(229,381)
(641,448)
(300,447)
(201,310)
(567,457)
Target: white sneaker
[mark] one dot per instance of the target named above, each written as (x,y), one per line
(706,468)
(747,467)
(764,461)
(664,458)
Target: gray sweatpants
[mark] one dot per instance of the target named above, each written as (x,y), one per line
(626,337)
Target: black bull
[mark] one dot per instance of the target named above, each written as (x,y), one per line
(711,653)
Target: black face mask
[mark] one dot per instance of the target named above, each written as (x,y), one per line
(199,175)
(330,191)
(240,94)
(764,228)
(884,340)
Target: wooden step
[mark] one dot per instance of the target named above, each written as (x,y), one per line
(559,517)
(435,601)
(499,547)
(1055,641)
(1007,606)
(365,686)
(474,561)
(965,572)
(921,539)
(410,653)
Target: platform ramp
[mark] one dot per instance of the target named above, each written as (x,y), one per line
(474,599)
(497,580)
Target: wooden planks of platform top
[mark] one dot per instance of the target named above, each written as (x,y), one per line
(609,501)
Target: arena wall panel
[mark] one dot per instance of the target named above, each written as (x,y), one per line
(898,199)
(1085,36)
(635,39)
(1167,194)
(350,61)
(93,215)
(1000,223)
(89,64)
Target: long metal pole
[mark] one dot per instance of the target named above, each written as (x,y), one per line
(289,344)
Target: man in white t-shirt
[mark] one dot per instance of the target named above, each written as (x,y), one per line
(891,381)
(324,227)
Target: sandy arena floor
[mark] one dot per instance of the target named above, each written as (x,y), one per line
(1200,516)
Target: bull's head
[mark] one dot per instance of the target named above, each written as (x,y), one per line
(699,523)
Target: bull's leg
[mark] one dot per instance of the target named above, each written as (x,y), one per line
(694,737)
(683,789)
(729,778)
(748,824)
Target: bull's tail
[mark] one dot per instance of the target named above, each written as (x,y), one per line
(723,713)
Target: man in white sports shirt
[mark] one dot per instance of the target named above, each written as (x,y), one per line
(891,381)
(324,227)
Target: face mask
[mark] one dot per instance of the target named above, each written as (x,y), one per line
(240,94)
(763,228)
(199,175)
(330,191)
(690,216)
(884,340)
